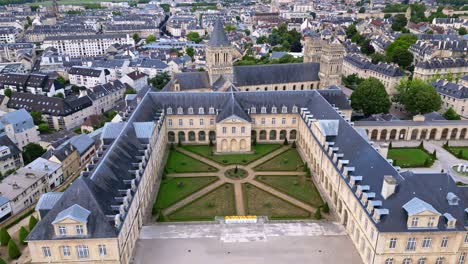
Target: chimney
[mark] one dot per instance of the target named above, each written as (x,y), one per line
(389,186)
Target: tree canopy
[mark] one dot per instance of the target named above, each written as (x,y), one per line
(190,51)
(370,97)
(194,36)
(400,22)
(150,38)
(418,96)
(160,80)
(229,27)
(31,152)
(462,31)
(283,39)
(398,52)
(450,114)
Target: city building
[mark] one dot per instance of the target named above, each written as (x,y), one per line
(453,96)
(87,77)
(19,127)
(10,157)
(441,68)
(33,83)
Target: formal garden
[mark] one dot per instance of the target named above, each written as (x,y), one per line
(199,184)
(411,157)
(460,152)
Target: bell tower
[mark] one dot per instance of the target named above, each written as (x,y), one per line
(331,64)
(312,48)
(219,54)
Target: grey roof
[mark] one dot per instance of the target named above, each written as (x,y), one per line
(111,131)
(48,105)
(443,63)
(276,74)
(75,70)
(417,206)
(192,80)
(144,130)
(366,64)
(75,212)
(232,108)
(6,141)
(329,127)
(218,36)
(451,89)
(81,37)
(20,119)
(48,200)
(82,143)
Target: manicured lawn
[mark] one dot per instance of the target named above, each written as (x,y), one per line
(299,187)
(219,202)
(259,202)
(259,150)
(410,157)
(174,189)
(456,150)
(286,161)
(181,163)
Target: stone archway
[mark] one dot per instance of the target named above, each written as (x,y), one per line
(383,134)
(414,134)
(402,134)
(374,134)
(345,218)
(282,134)
(293,134)
(212,135)
(433,134)
(191,136)
(253,135)
(453,135)
(445,134)
(263,135)
(181,136)
(201,136)
(243,144)
(462,133)
(171,136)
(224,145)
(272,134)
(234,146)
(423,134)
(393,134)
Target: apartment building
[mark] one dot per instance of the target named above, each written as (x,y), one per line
(33,83)
(19,126)
(8,35)
(453,96)
(87,77)
(441,68)
(10,156)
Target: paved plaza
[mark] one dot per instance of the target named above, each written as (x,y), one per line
(273,243)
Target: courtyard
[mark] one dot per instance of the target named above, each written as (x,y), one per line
(199,185)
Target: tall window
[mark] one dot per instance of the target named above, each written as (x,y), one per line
(102,250)
(389,261)
(66,251)
(169,111)
(263,120)
(202,122)
(440,260)
(180,122)
(190,122)
(82,251)
(46,251)
(414,222)
(243,130)
(444,242)
(283,121)
(190,110)
(461,259)
(466,238)
(273,110)
(211,111)
(411,244)
(294,109)
(253,110)
(233,130)
(169,121)
(431,221)
(201,111)
(79,229)
(284,110)
(211,121)
(273,121)
(427,242)
(392,243)
(422,261)
(407,261)
(224,130)
(263,110)
(294,121)
(62,230)
(180,111)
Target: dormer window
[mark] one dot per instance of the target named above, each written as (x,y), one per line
(294,109)
(169,110)
(79,230)
(284,110)
(201,111)
(253,110)
(180,111)
(414,222)
(190,111)
(62,230)
(263,110)
(211,111)
(431,221)
(273,110)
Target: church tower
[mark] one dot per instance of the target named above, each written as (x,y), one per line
(219,54)
(331,64)
(312,48)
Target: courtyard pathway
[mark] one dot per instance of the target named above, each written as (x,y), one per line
(237,183)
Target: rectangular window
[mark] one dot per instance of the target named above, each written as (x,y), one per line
(66,251)
(414,222)
(62,230)
(283,121)
(273,121)
(202,122)
(431,221)
(190,122)
(180,122)
(392,243)
(233,130)
(461,259)
(79,230)
(253,121)
(243,130)
(294,120)
(46,251)
(444,242)
(211,121)
(263,120)
(82,251)
(102,250)
(427,242)
(224,130)
(411,244)
(466,238)
(169,121)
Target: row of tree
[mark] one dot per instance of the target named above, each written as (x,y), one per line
(6,240)
(283,39)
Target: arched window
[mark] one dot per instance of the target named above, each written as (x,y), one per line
(440,260)
(201,111)
(407,261)
(253,110)
(169,110)
(389,261)
(294,109)
(190,111)
(273,110)
(284,109)
(180,111)
(422,261)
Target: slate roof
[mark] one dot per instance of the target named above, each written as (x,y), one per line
(192,80)
(76,70)
(366,64)
(276,73)
(451,89)
(48,200)
(75,212)
(443,63)
(6,141)
(82,143)
(218,36)
(20,119)
(417,206)
(232,108)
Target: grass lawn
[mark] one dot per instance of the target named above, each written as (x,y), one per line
(259,202)
(456,150)
(299,187)
(219,202)
(410,157)
(181,163)
(259,150)
(174,189)
(286,161)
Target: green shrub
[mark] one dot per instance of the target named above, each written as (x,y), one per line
(13,251)
(23,233)
(460,154)
(318,214)
(2,261)
(211,142)
(4,237)
(390,145)
(285,142)
(254,142)
(32,222)
(421,145)
(434,154)
(325,208)
(427,162)
(179,144)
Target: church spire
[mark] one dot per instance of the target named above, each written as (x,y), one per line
(218,37)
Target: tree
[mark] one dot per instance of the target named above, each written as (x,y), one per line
(2,261)
(8,92)
(462,31)
(285,142)
(450,114)
(130,90)
(160,80)
(229,27)
(32,222)
(4,236)
(293,144)
(370,97)
(326,208)
(247,32)
(377,57)
(403,57)
(136,37)
(23,233)
(31,152)
(44,128)
(37,117)
(366,47)
(418,96)
(13,251)
(190,51)
(150,38)
(400,22)
(194,36)
(351,31)
(59,95)
(362,10)
(61,80)
(402,41)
